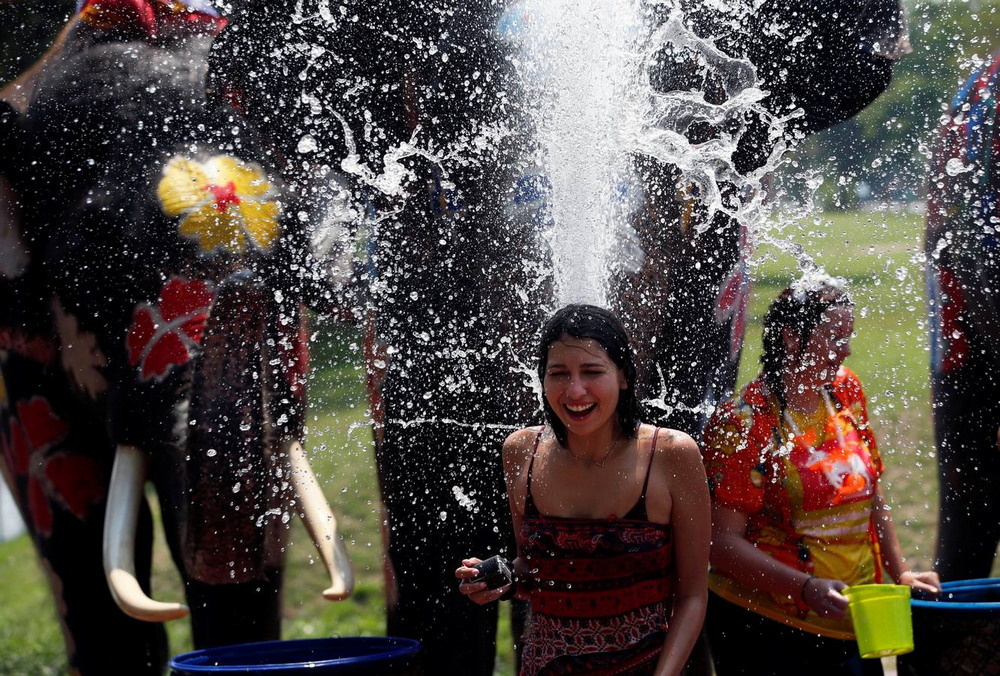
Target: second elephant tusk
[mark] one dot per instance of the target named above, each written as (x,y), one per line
(128,477)
(321,524)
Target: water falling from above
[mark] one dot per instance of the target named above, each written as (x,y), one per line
(575,61)
(609,85)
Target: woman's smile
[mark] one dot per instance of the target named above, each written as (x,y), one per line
(579,411)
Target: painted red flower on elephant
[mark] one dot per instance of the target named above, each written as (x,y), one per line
(74,481)
(77,480)
(165,334)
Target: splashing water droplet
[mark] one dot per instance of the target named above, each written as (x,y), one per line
(954,167)
(307,144)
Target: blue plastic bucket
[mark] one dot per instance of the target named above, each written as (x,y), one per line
(382,656)
(957,633)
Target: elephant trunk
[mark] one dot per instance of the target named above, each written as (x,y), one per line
(231,530)
(246,414)
(124,495)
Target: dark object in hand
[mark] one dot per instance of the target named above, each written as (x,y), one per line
(494,571)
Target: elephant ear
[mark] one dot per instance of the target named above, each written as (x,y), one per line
(13,252)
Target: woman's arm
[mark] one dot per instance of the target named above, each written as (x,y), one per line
(690,517)
(893,561)
(738,558)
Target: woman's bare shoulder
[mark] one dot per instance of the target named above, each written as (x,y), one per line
(669,440)
(675,450)
(521,442)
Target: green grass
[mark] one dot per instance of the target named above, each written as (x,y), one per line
(30,639)
(877,253)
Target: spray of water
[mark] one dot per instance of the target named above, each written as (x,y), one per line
(576,61)
(589,70)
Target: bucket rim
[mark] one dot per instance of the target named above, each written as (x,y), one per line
(956,586)
(395,647)
(859,592)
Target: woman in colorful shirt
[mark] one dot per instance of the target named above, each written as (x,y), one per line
(797,511)
(609,594)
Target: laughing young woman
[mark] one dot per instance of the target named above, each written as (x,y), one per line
(612,516)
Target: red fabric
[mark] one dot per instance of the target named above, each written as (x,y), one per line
(742,481)
(148,17)
(600,594)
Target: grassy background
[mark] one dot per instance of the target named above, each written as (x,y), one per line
(879,255)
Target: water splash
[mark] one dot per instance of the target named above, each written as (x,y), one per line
(612,83)
(575,62)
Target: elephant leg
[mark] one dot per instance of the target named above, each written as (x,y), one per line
(105,640)
(966,416)
(444,485)
(243,612)
(58,463)
(686,308)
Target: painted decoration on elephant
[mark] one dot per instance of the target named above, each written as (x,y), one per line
(81,357)
(30,346)
(74,481)
(222,203)
(949,341)
(165,334)
(150,16)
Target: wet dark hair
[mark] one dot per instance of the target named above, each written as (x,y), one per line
(589,321)
(799,310)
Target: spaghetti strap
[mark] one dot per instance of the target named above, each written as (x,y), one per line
(529,502)
(652,454)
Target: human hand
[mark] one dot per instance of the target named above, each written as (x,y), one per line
(476,591)
(823,595)
(926,582)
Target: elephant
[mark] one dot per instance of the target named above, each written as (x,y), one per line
(962,271)
(460,272)
(154,268)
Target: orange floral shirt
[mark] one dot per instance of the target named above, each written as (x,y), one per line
(806,483)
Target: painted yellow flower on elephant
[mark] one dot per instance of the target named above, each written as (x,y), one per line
(222,202)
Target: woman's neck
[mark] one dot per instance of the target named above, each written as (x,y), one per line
(594,448)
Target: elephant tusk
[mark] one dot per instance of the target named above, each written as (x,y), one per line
(321,524)
(127,480)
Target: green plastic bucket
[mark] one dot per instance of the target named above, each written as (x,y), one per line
(881,617)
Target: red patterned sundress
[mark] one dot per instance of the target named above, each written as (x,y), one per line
(600,590)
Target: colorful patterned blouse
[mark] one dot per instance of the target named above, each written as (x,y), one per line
(600,591)
(806,482)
